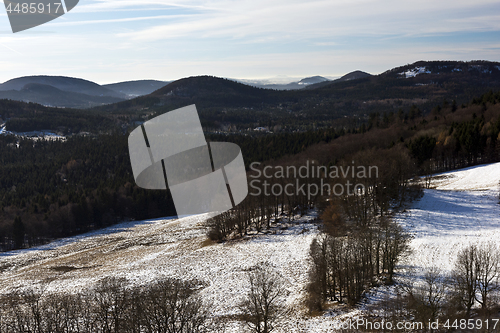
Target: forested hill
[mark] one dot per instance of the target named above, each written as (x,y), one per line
(25,117)
(59,91)
(422,80)
(205,91)
(423,84)
(48,95)
(348,77)
(226,105)
(63,83)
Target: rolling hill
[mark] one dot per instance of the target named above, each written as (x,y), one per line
(62,83)
(423,84)
(50,96)
(59,91)
(348,77)
(223,103)
(136,88)
(460,208)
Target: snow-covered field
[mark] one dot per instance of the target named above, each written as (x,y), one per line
(463,208)
(143,251)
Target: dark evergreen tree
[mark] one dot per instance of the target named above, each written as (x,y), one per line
(18,233)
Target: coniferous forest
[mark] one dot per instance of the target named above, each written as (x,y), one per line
(62,188)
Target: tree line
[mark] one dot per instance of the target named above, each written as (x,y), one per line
(361,244)
(167,305)
(471,138)
(346,267)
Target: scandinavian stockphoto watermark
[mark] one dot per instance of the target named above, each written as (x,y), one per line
(26,14)
(309,179)
(170,152)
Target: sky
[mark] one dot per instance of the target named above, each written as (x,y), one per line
(109,41)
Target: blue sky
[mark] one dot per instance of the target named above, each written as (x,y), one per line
(115,40)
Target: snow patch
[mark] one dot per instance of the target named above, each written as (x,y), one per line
(480,68)
(479,177)
(462,209)
(444,222)
(34,135)
(415,71)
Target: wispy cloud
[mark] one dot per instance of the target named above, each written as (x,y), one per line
(118,20)
(326,43)
(110,40)
(114,5)
(11,49)
(294,19)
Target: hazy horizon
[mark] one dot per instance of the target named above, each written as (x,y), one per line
(280,79)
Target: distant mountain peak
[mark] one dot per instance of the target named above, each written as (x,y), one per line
(313,80)
(348,77)
(354,76)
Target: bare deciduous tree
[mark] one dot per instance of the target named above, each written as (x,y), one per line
(427,299)
(263,306)
(488,272)
(465,277)
(168,306)
(173,306)
(111,301)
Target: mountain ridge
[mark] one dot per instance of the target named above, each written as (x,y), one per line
(222,102)
(357,74)
(136,88)
(48,95)
(63,83)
